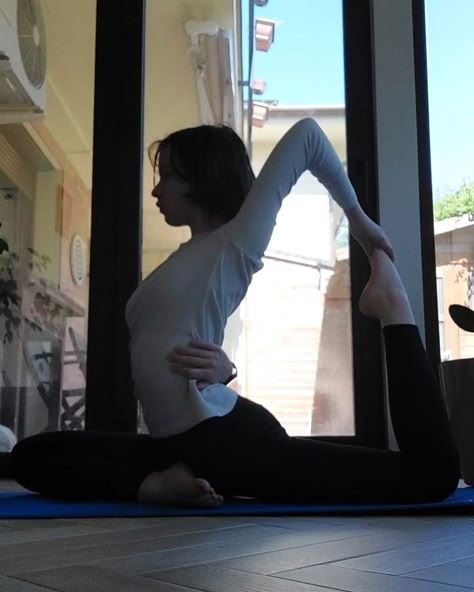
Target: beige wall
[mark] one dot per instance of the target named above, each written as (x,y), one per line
(170,93)
(46,238)
(62,140)
(70,29)
(171,101)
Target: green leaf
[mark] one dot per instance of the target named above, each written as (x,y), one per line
(459,203)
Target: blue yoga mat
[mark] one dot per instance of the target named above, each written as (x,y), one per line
(30,505)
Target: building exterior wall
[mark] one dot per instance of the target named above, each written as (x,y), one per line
(454,270)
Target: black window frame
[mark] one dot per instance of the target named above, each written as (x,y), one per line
(116,217)
(427,236)
(115,266)
(369,398)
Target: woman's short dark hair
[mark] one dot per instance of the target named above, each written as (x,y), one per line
(213,161)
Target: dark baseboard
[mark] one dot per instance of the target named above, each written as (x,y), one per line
(5,466)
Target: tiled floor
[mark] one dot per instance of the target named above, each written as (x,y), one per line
(237,554)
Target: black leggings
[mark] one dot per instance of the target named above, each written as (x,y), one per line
(247,452)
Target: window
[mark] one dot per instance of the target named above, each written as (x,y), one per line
(291,338)
(450,52)
(45,203)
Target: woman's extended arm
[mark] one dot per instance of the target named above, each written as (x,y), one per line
(303,147)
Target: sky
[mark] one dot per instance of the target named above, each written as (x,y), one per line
(304,68)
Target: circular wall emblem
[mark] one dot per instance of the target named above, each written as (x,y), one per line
(78,259)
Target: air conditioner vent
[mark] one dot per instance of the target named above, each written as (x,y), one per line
(32,40)
(23,68)
(12,93)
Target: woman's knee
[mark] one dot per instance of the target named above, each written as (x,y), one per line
(34,445)
(29,454)
(447,483)
(439,480)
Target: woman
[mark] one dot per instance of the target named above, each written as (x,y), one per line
(209,442)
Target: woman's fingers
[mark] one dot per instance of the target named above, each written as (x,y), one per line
(201,361)
(203,345)
(198,347)
(192,373)
(197,352)
(368,233)
(384,245)
(192,359)
(389,250)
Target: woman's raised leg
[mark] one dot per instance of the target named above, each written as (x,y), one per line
(426,467)
(417,408)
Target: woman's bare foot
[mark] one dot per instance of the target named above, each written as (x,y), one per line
(384,297)
(177,486)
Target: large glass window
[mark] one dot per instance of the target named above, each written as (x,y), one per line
(46,118)
(450,54)
(261,68)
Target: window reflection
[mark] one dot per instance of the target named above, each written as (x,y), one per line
(46,85)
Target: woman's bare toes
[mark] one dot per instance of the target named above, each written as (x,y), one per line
(177,486)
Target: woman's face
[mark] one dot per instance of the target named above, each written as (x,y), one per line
(170,192)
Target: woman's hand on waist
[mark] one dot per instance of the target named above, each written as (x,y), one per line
(206,363)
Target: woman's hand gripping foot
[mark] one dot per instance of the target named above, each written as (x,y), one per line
(384,297)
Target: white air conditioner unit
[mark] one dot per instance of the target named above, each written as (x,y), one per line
(215,73)
(22,61)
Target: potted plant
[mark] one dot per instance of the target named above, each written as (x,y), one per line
(44,314)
